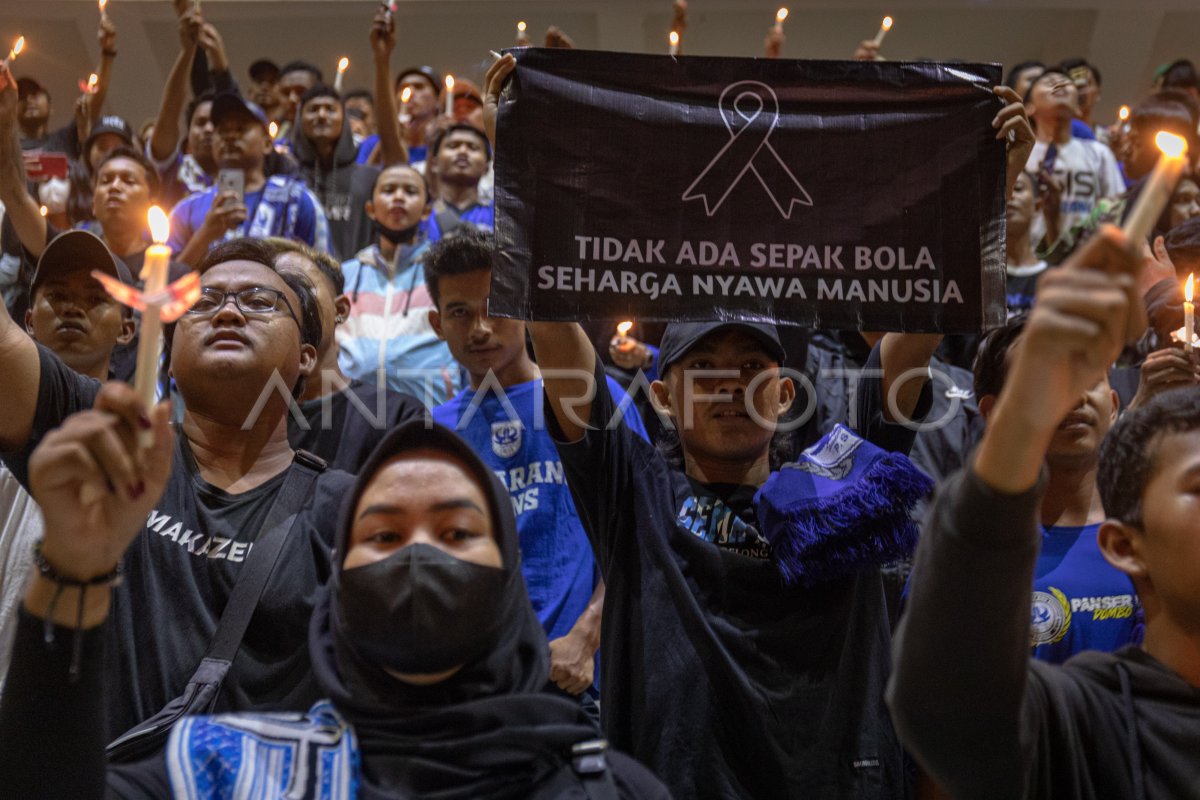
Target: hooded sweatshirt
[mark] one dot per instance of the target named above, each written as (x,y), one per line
(343,189)
(489,732)
(987,722)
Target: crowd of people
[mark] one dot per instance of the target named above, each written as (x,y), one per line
(369,540)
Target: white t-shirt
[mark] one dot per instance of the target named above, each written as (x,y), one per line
(1087,171)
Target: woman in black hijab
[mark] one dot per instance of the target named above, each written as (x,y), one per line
(425,644)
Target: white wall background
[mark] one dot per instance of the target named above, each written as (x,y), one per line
(1126,39)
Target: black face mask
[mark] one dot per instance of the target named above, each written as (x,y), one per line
(421,610)
(396,236)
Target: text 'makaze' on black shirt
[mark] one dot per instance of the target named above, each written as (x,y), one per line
(179,573)
(726,683)
(358,417)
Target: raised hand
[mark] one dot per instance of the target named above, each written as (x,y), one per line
(95,485)
(1012,125)
(383,34)
(493,83)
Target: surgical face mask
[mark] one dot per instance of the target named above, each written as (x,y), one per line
(420,610)
(53,194)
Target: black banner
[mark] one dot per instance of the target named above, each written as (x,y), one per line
(832,194)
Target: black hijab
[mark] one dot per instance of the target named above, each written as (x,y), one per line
(486,733)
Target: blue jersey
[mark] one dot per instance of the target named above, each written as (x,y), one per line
(480,215)
(283,207)
(1080,601)
(556,557)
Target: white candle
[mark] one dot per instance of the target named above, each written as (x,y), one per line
(673,44)
(780,16)
(1189,314)
(103,11)
(1156,192)
(405,96)
(884,27)
(450,95)
(343,64)
(154,276)
(623,331)
(520,31)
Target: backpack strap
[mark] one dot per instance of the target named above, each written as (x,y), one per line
(590,763)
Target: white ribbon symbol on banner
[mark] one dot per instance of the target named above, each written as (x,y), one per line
(751,118)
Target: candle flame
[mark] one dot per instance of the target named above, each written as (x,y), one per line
(343,64)
(1170,144)
(103,3)
(781,15)
(673,37)
(273,129)
(887,23)
(521,26)
(160,229)
(93,79)
(17,47)
(1187,290)
(406,95)
(449,83)
(43,211)
(624,327)
(1123,114)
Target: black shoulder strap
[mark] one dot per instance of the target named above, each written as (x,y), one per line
(260,563)
(590,765)
(447,220)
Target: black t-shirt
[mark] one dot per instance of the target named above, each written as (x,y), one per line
(63,140)
(723,680)
(345,426)
(180,571)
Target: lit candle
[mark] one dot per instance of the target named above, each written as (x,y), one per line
(1156,192)
(521,37)
(90,86)
(273,129)
(103,12)
(405,96)
(450,95)
(154,276)
(1123,113)
(43,211)
(780,16)
(1189,314)
(343,65)
(884,27)
(673,43)
(626,344)
(17,47)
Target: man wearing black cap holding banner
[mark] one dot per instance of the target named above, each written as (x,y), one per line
(72,316)
(744,647)
(274,206)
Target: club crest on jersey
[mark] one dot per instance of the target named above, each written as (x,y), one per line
(1051,617)
(506,438)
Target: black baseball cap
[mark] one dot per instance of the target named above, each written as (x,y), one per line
(109,123)
(28,87)
(427,72)
(228,104)
(264,68)
(74,250)
(680,337)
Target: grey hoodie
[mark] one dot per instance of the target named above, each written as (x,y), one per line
(343,190)
(987,722)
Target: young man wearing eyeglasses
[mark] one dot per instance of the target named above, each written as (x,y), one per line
(237,358)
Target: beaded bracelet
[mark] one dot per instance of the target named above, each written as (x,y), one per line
(61,583)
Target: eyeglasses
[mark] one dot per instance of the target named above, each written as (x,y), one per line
(256,302)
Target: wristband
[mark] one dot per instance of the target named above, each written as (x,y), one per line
(61,583)
(109,53)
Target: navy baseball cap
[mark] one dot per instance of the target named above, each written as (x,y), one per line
(109,123)
(428,73)
(680,337)
(228,104)
(74,250)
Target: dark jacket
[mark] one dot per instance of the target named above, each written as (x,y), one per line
(987,722)
(343,190)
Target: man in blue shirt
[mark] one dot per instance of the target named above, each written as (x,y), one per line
(500,416)
(459,159)
(1080,601)
(275,206)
